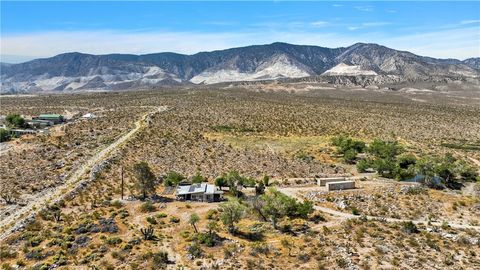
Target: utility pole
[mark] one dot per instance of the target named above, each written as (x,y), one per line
(122,183)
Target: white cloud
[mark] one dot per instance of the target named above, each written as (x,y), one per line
(319,24)
(460,43)
(364,8)
(367,24)
(469,21)
(452,43)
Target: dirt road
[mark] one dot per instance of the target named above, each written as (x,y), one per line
(477,162)
(294,192)
(17,219)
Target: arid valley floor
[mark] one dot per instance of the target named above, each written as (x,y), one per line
(68,211)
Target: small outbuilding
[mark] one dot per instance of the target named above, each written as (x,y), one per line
(55,118)
(37,123)
(342,185)
(203,192)
(89,116)
(324,181)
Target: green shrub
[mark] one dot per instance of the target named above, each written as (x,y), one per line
(259,248)
(117,204)
(206,239)
(173,178)
(4,135)
(363,165)
(410,227)
(160,259)
(16,121)
(345,144)
(212,214)
(161,215)
(185,234)
(113,241)
(147,207)
(7,253)
(6,266)
(195,251)
(151,220)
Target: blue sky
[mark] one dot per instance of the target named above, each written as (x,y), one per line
(42,29)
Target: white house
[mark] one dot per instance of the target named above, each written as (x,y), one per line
(204,192)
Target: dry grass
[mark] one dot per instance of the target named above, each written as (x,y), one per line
(186,139)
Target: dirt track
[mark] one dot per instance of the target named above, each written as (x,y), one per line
(293,192)
(18,218)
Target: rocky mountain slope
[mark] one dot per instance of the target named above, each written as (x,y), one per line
(77,71)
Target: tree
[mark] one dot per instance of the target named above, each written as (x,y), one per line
(220,182)
(385,149)
(259,188)
(15,120)
(277,205)
(173,178)
(212,227)
(445,171)
(304,209)
(266,180)
(406,160)
(198,178)
(234,181)
(465,171)
(363,165)
(274,206)
(385,167)
(231,213)
(256,206)
(426,167)
(350,156)
(405,167)
(194,218)
(148,233)
(145,178)
(4,135)
(345,144)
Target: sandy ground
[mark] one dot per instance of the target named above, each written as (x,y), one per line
(16,219)
(296,192)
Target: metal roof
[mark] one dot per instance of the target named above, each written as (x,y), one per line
(50,115)
(198,188)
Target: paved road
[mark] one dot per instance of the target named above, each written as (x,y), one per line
(14,221)
(293,192)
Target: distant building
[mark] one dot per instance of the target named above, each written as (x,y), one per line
(89,116)
(203,192)
(55,118)
(37,123)
(20,132)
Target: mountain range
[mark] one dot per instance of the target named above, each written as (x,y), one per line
(78,71)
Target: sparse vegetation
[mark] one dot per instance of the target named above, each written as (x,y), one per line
(145,179)
(276,134)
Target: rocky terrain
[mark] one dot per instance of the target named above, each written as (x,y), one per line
(81,72)
(262,130)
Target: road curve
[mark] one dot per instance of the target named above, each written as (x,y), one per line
(293,192)
(15,221)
